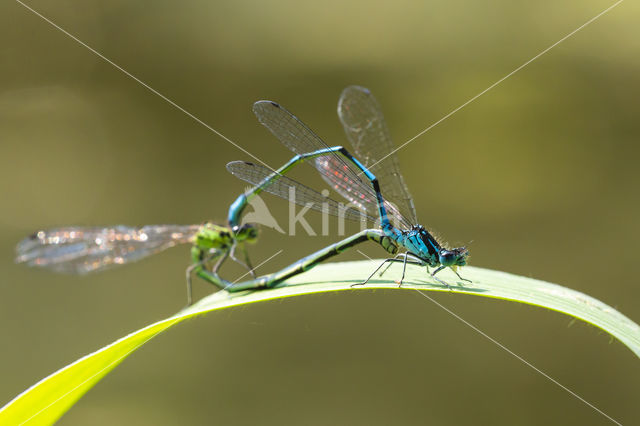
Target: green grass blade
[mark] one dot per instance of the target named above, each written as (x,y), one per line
(49,399)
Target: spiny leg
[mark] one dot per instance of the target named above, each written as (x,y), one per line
(441,281)
(213,277)
(390,260)
(247,262)
(251,269)
(397,256)
(433,275)
(210,277)
(190,270)
(220,262)
(404,270)
(414,261)
(463,279)
(374,272)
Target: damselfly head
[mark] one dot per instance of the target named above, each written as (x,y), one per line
(247,232)
(453,257)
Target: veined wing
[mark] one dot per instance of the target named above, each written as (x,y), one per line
(293,191)
(364,124)
(343,177)
(78,250)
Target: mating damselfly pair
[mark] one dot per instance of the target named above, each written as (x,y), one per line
(373,186)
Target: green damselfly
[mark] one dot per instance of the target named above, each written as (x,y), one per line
(81,250)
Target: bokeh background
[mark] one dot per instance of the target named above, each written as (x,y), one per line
(541,173)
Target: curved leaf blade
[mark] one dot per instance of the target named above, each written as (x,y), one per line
(46,401)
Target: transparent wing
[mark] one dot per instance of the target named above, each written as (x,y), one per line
(341,175)
(293,191)
(77,250)
(364,124)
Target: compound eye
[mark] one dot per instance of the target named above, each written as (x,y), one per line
(247,232)
(252,233)
(447,258)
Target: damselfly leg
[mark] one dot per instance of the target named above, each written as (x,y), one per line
(402,255)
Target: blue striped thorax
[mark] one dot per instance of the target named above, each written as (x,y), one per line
(420,243)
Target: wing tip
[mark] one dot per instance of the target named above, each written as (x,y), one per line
(356,88)
(231,166)
(29,243)
(259,104)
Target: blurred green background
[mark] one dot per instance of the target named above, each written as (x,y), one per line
(541,173)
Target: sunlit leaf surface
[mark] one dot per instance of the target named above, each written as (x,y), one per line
(48,400)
